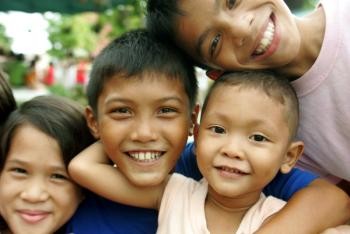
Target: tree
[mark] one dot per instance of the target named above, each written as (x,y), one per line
(79,35)
(5,41)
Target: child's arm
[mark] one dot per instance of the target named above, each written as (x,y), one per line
(93,170)
(311,210)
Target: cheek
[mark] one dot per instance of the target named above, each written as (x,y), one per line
(68,200)
(8,189)
(204,154)
(177,132)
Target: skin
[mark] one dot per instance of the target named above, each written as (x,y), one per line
(37,196)
(245,139)
(147,115)
(224,35)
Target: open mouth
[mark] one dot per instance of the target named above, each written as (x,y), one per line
(232,170)
(145,156)
(266,39)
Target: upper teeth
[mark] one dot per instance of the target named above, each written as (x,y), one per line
(232,170)
(145,156)
(266,39)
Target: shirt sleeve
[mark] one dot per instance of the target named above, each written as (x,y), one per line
(283,186)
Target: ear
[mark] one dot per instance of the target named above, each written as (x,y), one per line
(194,117)
(292,155)
(214,74)
(92,122)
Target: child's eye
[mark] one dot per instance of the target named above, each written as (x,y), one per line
(167,110)
(258,137)
(121,113)
(58,176)
(217,129)
(214,45)
(230,4)
(18,170)
(121,110)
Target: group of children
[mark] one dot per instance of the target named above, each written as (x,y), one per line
(141,175)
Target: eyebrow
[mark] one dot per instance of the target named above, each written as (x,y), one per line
(164,99)
(25,163)
(204,35)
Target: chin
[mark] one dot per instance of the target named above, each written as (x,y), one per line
(148,180)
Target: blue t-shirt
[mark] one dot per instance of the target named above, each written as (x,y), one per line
(97,215)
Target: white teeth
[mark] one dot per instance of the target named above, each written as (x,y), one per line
(266,39)
(145,156)
(232,170)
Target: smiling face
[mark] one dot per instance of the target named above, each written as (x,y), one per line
(243,141)
(143,124)
(237,35)
(35,191)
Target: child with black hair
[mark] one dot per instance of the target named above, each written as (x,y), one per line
(37,142)
(141,97)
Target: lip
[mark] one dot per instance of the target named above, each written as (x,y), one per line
(231,172)
(33,216)
(274,43)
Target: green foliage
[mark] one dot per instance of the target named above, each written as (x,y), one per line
(123,18)
(5,41)
(76,93)
(78,35)
(71,35)
(301,5)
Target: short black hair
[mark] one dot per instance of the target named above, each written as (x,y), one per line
(274,86)
(161,18)
(161,22)
(136,53)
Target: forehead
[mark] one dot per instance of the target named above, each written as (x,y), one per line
(150,86)
(248,103)
(23,149)
(198,18)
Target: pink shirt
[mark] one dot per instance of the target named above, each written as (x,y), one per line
(182,208)
(324,95)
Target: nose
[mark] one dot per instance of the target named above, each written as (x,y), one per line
(238,26)
(143,131)
(233,148)
(35,191)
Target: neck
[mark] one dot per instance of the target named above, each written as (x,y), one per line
(230,210)
(236,204)
(312,29)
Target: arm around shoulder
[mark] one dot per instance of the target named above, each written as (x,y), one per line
(308,211)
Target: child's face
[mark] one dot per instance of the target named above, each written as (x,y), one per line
(237,35)
(35,191)
(242,141)
(143,124)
